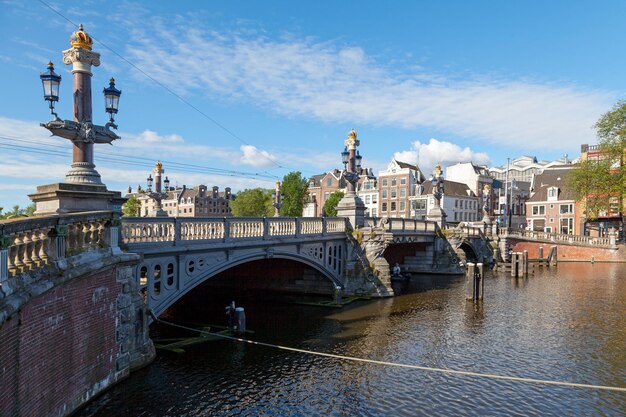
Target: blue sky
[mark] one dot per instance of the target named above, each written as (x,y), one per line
(248,91)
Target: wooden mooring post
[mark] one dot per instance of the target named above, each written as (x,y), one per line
(475,284)
(519,263)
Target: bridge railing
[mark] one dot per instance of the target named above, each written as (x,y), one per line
(30,244)
(167,230)
(397,224)
(557,237)
(466,231)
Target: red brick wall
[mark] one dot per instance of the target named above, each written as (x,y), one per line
(60,347)
(567,252)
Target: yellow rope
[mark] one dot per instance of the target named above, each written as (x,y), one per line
(402,365)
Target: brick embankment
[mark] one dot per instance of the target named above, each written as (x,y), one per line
(571,253)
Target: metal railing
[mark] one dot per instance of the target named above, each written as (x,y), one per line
(140,230)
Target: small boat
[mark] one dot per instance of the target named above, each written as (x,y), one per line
(400,277)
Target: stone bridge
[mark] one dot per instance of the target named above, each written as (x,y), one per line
(179,254)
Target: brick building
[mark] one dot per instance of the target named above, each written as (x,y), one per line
(552,205)
(395,186)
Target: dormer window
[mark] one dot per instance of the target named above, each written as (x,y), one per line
(553,193)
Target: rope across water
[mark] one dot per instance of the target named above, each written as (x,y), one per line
(401,365)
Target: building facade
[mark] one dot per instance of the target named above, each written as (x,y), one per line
(395,187)
(552,204)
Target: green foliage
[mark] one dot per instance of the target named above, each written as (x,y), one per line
(253,202)
(295,188)
(330,206)
(17,211)
(131,207)
(595,181)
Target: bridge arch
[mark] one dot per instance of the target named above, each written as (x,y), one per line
(168,279)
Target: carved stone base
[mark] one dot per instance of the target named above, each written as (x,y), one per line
(437,215)
(83,173)
(352,207)
(62,198)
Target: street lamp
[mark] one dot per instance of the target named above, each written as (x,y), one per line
(437,214)
(81,131)
(157,195)
(278,197)
(50,81)
(111,100)
(351,161)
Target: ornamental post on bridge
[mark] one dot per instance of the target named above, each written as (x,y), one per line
(436,213)
(277,199)
(158,194)
(351,206)
(82,189)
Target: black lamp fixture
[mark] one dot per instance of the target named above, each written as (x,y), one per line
(111,99)
(150,181)
(358,158)
(50,81)
(167,183)
(345,155)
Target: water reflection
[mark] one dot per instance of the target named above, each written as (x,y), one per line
(564,324)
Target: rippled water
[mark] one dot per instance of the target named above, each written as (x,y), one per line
(565,324)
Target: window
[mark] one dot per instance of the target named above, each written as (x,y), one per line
(456,204)
(374,212)
(385,193)
(551,206)
(393,181)
(326,195)
(548,230)
(402,192)
(455,216)
(374,198)
(393,193)
(384,208)
(393,206)
(539,210)
(402,181)
(329,182)
(402,206)
(384,182)
(419,204)
(367,199)
(566,208)
(553,193)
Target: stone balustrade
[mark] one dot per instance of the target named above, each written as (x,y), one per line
(173,231)
(393,224)
(465,231)
(607,242)
(30,244)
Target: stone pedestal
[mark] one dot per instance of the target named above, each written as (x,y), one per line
(437,215)
(352,207)
(62,198)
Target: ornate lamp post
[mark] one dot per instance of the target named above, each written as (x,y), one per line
(83,188)
(158,194)
(351,206)
(277,199)
(486,201)
(436,213)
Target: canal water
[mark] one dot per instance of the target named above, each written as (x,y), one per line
(563,324)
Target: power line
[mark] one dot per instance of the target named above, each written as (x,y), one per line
(129,159)
(169,90)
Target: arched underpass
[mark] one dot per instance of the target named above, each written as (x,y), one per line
(251,284)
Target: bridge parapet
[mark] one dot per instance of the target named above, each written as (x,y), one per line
(395,225)
(174,231)
(31,244)
(605,242)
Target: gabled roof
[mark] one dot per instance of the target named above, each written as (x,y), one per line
(450,188)
(555,177)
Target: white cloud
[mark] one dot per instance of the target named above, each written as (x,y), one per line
(427,155)
(303,77)
(256,158)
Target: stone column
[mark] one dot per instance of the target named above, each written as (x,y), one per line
(81,57)
(351,206)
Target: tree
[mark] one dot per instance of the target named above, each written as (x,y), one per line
(596,181)
(330,206)
(295,188)
(131,207)
(253,202)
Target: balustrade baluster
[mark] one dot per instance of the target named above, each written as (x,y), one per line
(36,248)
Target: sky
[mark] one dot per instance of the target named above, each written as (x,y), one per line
(239,93)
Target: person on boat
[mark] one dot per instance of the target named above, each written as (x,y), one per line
(396,269)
